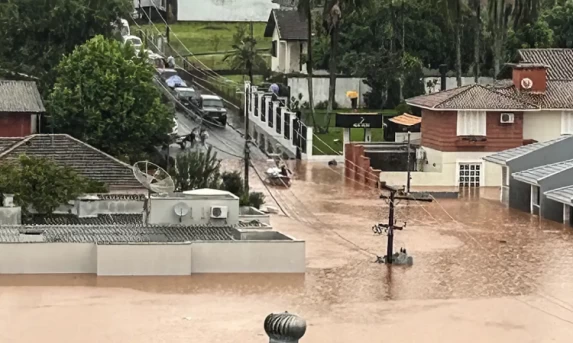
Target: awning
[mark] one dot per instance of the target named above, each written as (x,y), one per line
(406,119)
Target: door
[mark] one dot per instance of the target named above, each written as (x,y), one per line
(469,174)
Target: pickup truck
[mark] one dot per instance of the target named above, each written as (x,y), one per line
(213,109)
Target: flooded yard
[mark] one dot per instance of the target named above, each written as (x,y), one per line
(481,273)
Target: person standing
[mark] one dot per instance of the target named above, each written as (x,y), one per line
(203,135)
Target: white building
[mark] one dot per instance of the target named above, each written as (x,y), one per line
(204,231)
(289,32)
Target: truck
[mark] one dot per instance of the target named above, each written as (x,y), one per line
(212,109)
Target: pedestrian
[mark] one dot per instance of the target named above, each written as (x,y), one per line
(171,62)
(203,135)
(193,137)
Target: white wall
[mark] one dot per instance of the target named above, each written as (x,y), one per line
(451,82)
(153,259)
(224,10)
(200,211)
(249,257)
(47,258)
(144,259)
(276,61)
(444,173)
(542,126)
(299,85)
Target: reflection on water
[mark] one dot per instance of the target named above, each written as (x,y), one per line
(468,248)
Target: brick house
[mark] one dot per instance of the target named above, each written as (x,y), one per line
(20,108)
(462,125)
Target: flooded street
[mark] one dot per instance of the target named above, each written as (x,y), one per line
(481,273)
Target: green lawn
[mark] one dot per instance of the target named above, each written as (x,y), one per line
(201,37)
(332,141)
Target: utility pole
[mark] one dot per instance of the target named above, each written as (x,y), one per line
(247,160)
(390,226)
(299,135)
(167,25)
(408,163)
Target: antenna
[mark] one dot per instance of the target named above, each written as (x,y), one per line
(181,209)
(153,177)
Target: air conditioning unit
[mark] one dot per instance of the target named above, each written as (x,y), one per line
(219,212)
(506,118)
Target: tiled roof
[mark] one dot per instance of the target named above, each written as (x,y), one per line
(563,195)
(505,156)
(20,96)
(6,142)
(559,94)
(406,119)
(118,233)
(534,175)
(470,97)
(291,25)
(85,159)
(101,219)
(560,61)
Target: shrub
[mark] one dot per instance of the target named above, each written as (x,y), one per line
(232,182)
(256,199)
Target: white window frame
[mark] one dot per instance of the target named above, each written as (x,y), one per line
(567,122)
(535,201)
(471,123)
(481,169)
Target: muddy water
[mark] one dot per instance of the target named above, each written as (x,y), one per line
(481,273)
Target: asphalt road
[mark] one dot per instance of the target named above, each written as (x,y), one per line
(228,143)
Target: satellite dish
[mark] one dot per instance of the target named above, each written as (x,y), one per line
(181,209)
(153,177)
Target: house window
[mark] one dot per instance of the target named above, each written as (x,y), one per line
(471,123)
(274,49)
(566,123)
(469,174)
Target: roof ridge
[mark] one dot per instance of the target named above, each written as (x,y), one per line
(468,87)
(14,146)
(97,150)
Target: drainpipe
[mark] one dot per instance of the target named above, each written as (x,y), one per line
(443,71)
(284,327)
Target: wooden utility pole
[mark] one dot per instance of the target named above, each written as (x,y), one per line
(390,226)
(167,29)
(247,158)
(298,133)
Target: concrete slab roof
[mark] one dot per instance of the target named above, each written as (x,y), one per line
(534,175)
(505,156)
(563,195)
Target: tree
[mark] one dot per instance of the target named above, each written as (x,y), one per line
(305,8)
(245,57)
(105,96)
(197,169)
(41,184)
(476,6)
(34,35)
(499,12)
(331,20)
(233,182)
(454,11)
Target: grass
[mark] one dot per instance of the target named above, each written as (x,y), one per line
(331,143)
(201,37)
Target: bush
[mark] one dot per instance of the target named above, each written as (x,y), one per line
(254,199)
(323,105)
(403,108)
(232,182)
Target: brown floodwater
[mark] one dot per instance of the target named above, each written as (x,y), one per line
(481,273)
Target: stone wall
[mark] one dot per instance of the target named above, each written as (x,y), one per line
(357,166)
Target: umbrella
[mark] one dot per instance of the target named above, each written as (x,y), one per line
(352,94)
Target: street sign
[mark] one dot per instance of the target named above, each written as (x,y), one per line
(359,120)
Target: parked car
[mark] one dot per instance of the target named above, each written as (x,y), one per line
(187,96)
(166,73)
(213,109)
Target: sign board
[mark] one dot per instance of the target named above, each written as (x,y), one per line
(359,120)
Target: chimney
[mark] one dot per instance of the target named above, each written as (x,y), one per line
(443,71)
(284,327)
(530,77)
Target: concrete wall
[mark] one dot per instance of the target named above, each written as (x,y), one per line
(224,10)
(144,259)
(299,85)
(47,258)
(285,256)
(542,126)
(200,211)
(451,82)
(10,216)
(248,257)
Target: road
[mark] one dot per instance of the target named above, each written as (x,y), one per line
(228,143)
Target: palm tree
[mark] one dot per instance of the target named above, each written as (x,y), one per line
(454,10)
(331,20)
(305,8)
(245,57)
